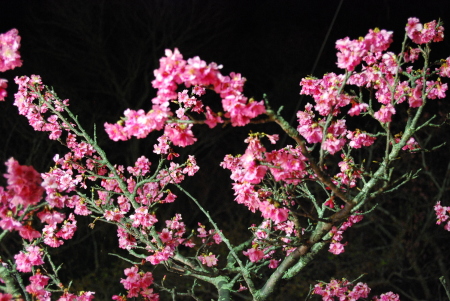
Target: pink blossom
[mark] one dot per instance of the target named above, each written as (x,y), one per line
(174,71)
(209,260)
(113,215)
(124,204)
(162,255)
(336,248)
(246,194)
(137,283)
(84,296)
(163,146)
(415,99)
(411,144)
(411,55)
(6,297)
(357,108)
(444,70)
(359,139)
(23,183)
(421,34)
(49,233)
(240,110)
(254,254)
(212,119)
(385,113)
(342,290)
(378,40)
(81,206)
(180,134)
(442,213)
(51,217)
(143,218)
(116,132)
(3,86)
(68,228)
(273,264)
(287,164)
(413,29)
(325,94)
(217,238)
(141,167)
(278,215)
(9,50)
(199,90)
(32,257)
(149,294)
(350,53)
(8,223)
(360,290)
(27,232)
(390,296)
(330,203)
(126,241)
(333,144)
(37,285)
(191,166)
(68,297)
(436,89)
(311,132)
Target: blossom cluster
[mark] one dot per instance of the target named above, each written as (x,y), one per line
(380,71)
(443,215)
(32,257)
(268,234)
(18,206)
(137,283)
(286,165)
(9,50)
(336,247)
(37,288)
(196,73)
(123,199)
(72,172)
(424,33)
(275,183)
(345,290)
(9,56)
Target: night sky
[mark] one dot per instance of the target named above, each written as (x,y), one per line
(101,55)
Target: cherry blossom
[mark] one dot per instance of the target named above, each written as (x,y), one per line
(208,260)
(9,50)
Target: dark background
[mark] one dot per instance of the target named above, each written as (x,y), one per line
(101,55)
